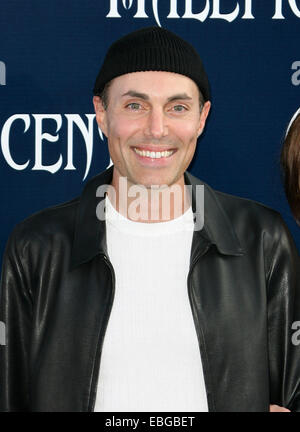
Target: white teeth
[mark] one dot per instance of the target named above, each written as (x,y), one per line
(154,155)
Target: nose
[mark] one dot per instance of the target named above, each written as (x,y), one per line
(156,126)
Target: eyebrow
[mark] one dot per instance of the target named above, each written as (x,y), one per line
(132,93)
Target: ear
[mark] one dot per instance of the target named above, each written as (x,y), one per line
(203,116)
(101,114)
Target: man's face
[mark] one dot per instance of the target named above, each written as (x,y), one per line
(153,112)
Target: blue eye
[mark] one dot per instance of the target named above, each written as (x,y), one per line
(179,108)
(133,106)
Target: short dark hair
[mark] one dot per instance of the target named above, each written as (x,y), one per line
(104,96)
(290,165)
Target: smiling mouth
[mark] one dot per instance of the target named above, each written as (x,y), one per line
(154,155)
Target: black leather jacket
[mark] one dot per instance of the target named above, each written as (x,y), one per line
(57,291)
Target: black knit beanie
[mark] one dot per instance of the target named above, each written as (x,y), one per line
(152,49)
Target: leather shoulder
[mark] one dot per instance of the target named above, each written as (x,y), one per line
(41,229)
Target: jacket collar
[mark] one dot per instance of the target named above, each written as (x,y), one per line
(90,232)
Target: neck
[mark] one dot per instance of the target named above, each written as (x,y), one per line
(149,204)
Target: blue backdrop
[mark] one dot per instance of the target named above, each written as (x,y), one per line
(50,54)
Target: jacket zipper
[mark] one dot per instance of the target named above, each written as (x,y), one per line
(92,400)
(207,381)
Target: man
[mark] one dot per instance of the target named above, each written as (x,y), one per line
(112,303)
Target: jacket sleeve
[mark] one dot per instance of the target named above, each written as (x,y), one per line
(283,296)
(15,317)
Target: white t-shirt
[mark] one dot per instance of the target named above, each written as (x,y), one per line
(150,356)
